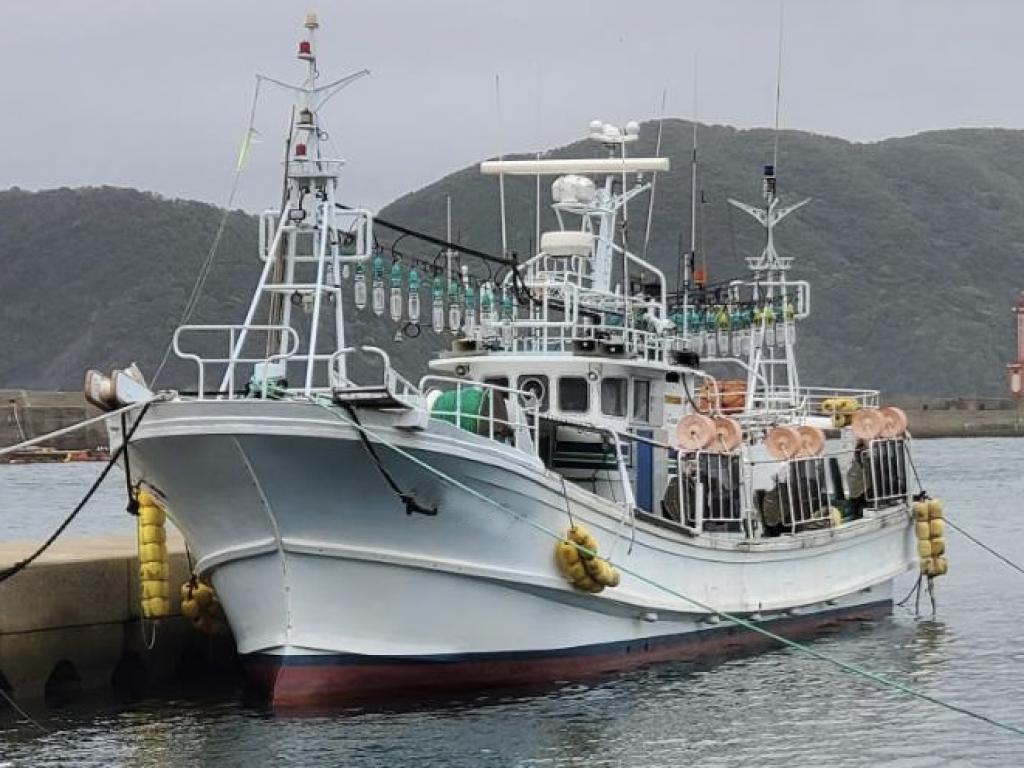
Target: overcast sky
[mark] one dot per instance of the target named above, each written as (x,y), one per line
(156,94)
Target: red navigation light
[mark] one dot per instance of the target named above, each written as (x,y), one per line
(300,150)
(305,49)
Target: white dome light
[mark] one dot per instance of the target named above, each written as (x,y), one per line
(573,189)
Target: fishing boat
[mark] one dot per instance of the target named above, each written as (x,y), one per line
(597,471)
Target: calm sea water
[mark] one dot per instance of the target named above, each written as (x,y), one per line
(777,709)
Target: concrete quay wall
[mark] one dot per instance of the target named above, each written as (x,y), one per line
(70,625)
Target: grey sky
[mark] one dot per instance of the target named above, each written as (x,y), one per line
(155,94)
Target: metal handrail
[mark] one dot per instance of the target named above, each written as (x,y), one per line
(396,385)
(816,396)
(232,360)
(530,406)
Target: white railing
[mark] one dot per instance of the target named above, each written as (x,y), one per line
(887,482)
(816,396)
(520,420)
(804,494)
(233,359)
(397,386)
(709,491)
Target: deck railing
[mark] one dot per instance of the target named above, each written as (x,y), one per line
(512,414)
(887,481)
(392,382)
(231,362)
(815,397)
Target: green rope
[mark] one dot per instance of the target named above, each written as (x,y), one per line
(983,545)
(853,669)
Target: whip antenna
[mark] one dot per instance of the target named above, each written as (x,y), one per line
(654,181)
(501,176)
(778,88)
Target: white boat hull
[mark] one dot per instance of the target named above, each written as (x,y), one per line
(332,590)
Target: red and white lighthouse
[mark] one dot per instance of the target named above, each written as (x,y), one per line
(1016,369)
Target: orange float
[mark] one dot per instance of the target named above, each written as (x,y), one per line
(728,434)
(731,396)
(868,424)
(894,421)
(812,440)
(783,443)
(695,431)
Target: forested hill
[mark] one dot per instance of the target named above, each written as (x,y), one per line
(913,247)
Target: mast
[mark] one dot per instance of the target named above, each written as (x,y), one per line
(691,257)
(307,237)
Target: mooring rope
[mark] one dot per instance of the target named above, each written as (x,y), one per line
(960,530)
(983,545)
(14,705)
(207,265)
(22,564)
(853,669)
(74,427)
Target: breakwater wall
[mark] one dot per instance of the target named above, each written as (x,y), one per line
(25,414)
(963,417)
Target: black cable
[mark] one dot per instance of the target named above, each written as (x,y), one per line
(434,240)
(411,504)
(689,397)
(133,503)
(22,564)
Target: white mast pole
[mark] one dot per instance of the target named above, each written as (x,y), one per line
(692,257)
(322,213)
(448,236)
(501,176)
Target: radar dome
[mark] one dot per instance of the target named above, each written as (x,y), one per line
(572,189)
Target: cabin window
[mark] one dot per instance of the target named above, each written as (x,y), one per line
(536,385)
(613,397)
(573,394)
(497,381)
(641,400)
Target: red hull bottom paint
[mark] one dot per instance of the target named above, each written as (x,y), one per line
(317,680)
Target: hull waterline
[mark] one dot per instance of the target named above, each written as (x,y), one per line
(331,679)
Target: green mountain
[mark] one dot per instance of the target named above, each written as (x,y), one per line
(911,246)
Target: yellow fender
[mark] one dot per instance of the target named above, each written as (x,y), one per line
(154,567)
(576,556)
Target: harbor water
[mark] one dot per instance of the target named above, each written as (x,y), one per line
(780,708)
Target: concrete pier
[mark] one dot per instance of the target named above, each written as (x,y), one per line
(70,625)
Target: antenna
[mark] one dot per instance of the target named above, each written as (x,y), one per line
(654,181)
(501,176)
(693,186)
(778,87)
(536,220)
(449,253)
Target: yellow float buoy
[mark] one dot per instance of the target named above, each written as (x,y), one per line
(154,567)
(921,511)
(200,605)
(937,528)
(924,548)
(578,562)
(923,531)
